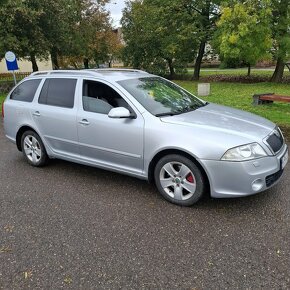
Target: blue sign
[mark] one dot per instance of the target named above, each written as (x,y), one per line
(11,61)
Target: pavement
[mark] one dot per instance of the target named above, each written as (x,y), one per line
(67,226)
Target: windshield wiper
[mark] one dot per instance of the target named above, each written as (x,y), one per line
(167,114)
(188,109)
(191,108)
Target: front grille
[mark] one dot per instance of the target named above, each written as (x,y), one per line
(275,140)
(270,179)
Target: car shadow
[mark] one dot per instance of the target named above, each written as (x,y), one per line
(88,173)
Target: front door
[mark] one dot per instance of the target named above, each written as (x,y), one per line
(116,144)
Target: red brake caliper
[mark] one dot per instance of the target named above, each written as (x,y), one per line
(190,178)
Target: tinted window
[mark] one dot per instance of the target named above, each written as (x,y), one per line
(100,98)
(26,91)
(58,92)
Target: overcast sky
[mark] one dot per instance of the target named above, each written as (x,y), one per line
(115,7)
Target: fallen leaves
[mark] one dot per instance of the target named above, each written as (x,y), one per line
(9,228)
(67,280)
(27,274)
(5,249)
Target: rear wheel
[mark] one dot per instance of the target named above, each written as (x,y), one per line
(33,149)
(179,180)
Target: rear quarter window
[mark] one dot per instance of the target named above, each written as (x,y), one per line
(25,92)
(58,92)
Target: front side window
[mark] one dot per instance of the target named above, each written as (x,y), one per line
(25,92)
(100,98)
(58,92)
(161,97)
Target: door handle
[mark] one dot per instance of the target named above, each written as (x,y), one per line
(36,113)
(84,122)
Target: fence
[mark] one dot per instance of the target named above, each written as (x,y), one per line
(9,76)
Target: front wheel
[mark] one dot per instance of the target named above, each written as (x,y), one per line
(179,180)
(33,149)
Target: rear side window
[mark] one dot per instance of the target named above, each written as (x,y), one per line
(25,92)
(58,92)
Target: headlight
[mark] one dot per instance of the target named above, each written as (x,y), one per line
(244,152)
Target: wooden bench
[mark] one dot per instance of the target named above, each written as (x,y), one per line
(260,99)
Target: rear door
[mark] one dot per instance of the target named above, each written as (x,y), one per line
(113,143)
(54,114)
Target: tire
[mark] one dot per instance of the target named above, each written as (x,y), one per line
(33,149)
(179,180)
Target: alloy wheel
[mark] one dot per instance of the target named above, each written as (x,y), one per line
(177,180)
(32,149)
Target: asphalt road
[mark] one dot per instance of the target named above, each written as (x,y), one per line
(76,227)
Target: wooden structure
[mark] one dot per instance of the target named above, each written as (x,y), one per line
(269,98)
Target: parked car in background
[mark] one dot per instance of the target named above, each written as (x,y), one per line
(142,125)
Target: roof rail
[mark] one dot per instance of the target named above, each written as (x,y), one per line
(54,72)
(90,72)
(116,70)
(39,73)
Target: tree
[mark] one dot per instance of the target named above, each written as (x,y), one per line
(274,16)
(152,41)
(204,14)
(55,26)
(244,32)
(37,29)
(92,18)
(281,35)
(20,31)
(106,47)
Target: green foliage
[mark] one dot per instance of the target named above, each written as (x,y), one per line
(244,33)
(2,2)
(280,26)
(158,34)
(37,29)
(20,30)
(281,36)
(230,62)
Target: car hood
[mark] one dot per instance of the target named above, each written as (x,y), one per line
(225,119)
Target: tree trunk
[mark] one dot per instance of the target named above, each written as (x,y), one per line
(34,63)
(281,33)
(279,70)
(171,68)
(75,65)
(54,59)
(198,61)
(86,63)
(249,70)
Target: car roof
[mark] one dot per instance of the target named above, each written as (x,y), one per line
(111,74)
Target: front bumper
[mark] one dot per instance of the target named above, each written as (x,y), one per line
(236,179)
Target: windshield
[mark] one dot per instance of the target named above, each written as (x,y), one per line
(161,97)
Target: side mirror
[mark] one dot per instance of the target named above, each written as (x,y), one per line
(119,112)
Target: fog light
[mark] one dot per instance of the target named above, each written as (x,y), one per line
(257,184)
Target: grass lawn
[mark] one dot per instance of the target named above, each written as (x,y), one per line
(240,96)
(2,97)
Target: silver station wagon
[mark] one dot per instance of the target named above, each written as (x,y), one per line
(142,125)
